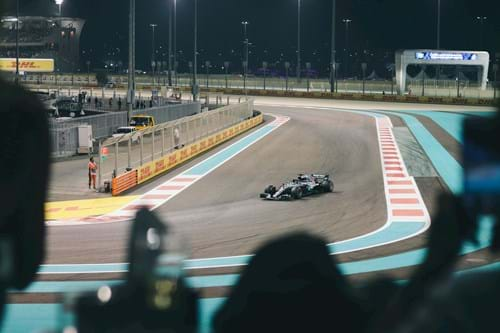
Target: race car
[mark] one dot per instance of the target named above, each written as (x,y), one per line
(303,185)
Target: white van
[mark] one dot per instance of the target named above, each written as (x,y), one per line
(122,131)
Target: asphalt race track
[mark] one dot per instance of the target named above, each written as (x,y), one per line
(222,216)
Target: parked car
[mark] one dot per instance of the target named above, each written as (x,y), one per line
(131,131)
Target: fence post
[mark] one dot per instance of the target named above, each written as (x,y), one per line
(142,148)
(99,168)
(163,142)
(172,140)
(227,100)
(116,158)
(199,129)
(153,145)
(187,133)
(129,160)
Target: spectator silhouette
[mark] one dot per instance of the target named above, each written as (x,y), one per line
(291,285)
(24,170)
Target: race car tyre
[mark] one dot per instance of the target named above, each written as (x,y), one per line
(297,193)
(271,189)
(327,186)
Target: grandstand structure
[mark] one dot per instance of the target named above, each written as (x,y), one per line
(55,38)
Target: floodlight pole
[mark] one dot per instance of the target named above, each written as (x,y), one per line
(245,56)
(153,26)
(170,43)
(17,42)
(298,41)
(175,42)
(333,71)
(364,65)
(195,55)
(131,60)
(438,25)
(347,21)
(423,80)
(226,68)
(438,31)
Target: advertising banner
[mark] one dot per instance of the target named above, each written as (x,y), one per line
(27,65)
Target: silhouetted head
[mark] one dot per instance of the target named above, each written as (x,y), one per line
(23,185)
(291,284)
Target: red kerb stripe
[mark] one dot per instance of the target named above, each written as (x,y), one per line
(395,175)
(401,191)
(170,187)
(399,182)
(404,201)
(407,212)
(156,196)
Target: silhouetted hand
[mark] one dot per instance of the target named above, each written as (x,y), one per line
(450,227)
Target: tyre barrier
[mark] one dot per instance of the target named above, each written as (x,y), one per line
(124,182)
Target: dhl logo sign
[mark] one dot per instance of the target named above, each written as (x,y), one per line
(184,154)
(145,173)
(159,166)
(172,159)
(27,65)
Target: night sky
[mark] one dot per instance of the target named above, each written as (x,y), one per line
(378,27)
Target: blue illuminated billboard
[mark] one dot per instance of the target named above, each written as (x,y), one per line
(445,56)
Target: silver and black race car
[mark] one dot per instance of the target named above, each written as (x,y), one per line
(301,186)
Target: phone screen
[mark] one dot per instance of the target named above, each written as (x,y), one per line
(481,165)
